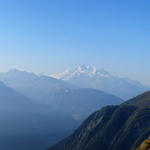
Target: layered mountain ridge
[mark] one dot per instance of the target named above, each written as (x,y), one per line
(91,77)
(38,111)
(28,125)
(58,94)
(39,88)
(112,128)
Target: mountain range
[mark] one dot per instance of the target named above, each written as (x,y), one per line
(80,103)
(38,111)
(58,94)
(91,77)
(24,122)
(122,127)
(39,88)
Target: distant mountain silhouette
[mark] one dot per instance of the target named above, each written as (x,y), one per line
(26,125)
(60,95)
(49,111)
(39,88)
(122,127)
(11,98)
(91,77)
(79,103)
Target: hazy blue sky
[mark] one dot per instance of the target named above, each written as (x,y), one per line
(52,35)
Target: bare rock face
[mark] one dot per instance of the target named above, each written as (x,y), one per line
(145,145)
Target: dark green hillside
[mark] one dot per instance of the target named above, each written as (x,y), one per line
(142,100)
(121,127)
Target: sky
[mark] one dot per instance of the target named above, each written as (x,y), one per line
(49,36)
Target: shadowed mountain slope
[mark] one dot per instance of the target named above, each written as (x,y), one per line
(121,127)
(26,125)
(80,103)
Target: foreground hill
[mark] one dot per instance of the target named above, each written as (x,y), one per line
(91,77)
(122,127)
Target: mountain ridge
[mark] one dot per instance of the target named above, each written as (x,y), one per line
(59,112)
(33,86)
(58,94)
(123,127)
(25,123)
(91,77)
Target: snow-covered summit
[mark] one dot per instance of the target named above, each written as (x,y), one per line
(82,70)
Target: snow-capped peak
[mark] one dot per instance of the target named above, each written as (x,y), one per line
(86,69)
(91,77)
(80,71)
